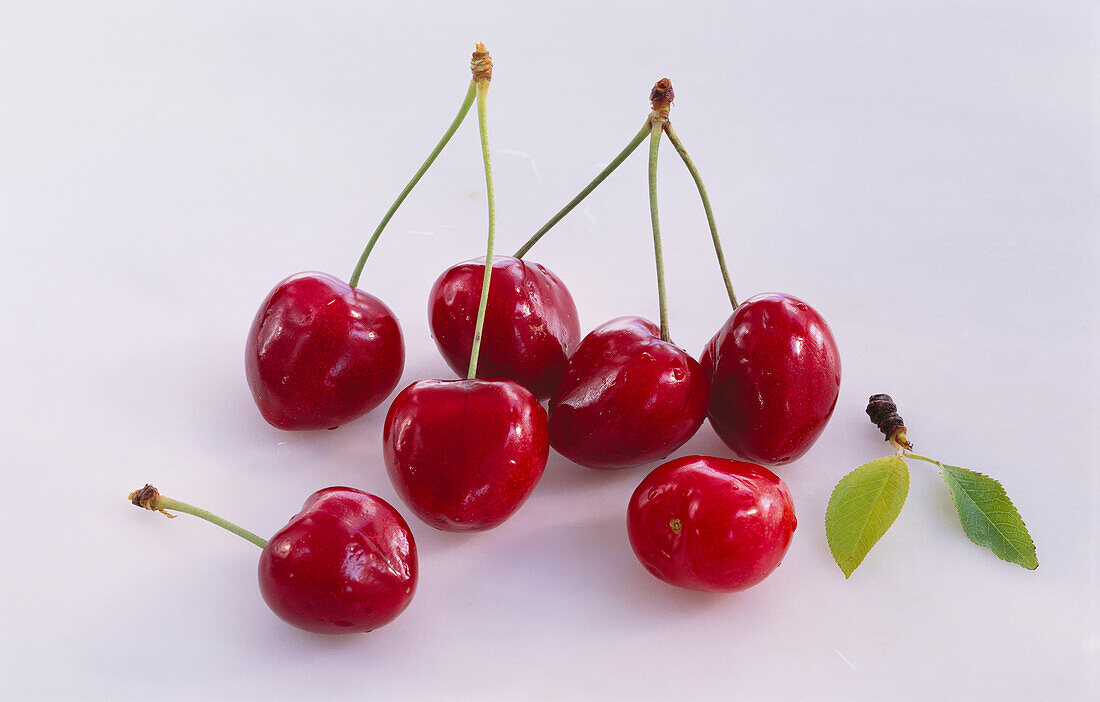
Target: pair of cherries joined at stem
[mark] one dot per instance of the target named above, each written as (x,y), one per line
(465,454)
(769,378)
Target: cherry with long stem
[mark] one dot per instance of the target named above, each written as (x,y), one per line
(465,454)
(529,328)
(467,102)
(659,397)
(342,541)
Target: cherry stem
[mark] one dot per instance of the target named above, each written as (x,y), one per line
(654,144)
(150,498)
(926,459)
(615,162)
(483,128)
(467,102)
(678,145)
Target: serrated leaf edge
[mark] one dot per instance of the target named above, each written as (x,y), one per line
(828,535)
(1034,558)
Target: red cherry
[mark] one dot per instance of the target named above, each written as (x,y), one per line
(531,325)
(711,524)
(321,353)
(627,397)
(346,563)
(465,454)
(775,376)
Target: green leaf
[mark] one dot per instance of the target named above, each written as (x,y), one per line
(988,517)
(863,506)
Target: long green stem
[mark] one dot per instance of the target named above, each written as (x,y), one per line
(483,128)
(638,139)
(149,498)
(654,145)
(678,145)
(466,103)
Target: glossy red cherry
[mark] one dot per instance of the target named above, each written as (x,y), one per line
(627,397)
(774,371)
(531,325)
(346,563)
(465,454)
(321,353)
(711,524)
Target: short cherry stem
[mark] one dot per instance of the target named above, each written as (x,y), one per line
(615,162)
(150,498)
(483,128)
(654,145)
(467,102)
(676,143)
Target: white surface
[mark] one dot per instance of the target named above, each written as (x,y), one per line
(925,175)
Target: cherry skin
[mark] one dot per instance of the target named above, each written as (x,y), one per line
(712,524)
(465,454)
(321,353)
(774,371)
(531,325)
(627,397)
(345,564)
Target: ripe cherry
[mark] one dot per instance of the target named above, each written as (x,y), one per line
(774,371)
(713,524)
(627,398)
(465,454)
(531,325)
(345,564)
(630,395)
(321,353)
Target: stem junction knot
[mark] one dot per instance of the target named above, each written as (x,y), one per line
(660,98)
(481,64)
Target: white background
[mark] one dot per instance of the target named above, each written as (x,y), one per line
(924,174)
